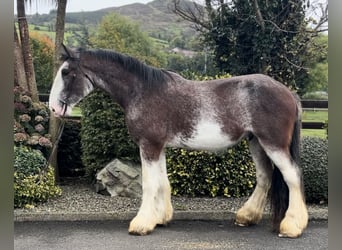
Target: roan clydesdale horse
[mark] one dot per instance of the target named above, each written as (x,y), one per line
(163,109)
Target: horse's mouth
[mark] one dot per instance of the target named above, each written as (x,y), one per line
(64,107)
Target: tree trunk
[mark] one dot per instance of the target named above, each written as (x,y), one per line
(60,22)
(55,123)
(19,70)
(26,51)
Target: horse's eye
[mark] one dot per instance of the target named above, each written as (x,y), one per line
(65,72)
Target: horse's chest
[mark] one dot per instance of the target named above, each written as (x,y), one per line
(206,135)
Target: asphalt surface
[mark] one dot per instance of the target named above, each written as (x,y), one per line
(179,234)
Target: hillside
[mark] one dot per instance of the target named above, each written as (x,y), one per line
(156,18)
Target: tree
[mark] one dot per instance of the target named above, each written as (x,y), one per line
(55,123)
(317,62)
(60,27)
(123,35)
(19,69)
(258,36)
(26,51)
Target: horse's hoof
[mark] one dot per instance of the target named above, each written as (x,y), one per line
(286,235)
(141,226)
(140,232)
(290,229)
(240,224)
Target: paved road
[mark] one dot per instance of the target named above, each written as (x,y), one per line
(177,235)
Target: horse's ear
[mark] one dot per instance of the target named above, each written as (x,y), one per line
(65,52)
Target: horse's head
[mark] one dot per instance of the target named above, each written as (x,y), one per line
(71,84)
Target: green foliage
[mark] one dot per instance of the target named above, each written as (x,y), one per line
(119,33)
(104,135)
(314,162)
(199,173)
(28,161)
(201,63)
(31,122)
(34,180)
(42,53)
(318,78)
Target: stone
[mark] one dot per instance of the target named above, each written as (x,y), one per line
(119,178)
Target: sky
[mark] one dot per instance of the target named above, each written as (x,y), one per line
(44,6)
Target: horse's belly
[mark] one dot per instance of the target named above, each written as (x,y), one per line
(207,135)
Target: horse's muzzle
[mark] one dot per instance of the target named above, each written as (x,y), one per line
(59,109)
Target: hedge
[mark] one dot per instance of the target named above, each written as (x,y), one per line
(199,173)
(314,163)
(104,135)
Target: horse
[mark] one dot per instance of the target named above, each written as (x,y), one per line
(163,109)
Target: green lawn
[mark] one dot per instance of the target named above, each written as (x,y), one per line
(317,116)
(76,111)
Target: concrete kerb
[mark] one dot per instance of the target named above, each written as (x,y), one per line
(315,213)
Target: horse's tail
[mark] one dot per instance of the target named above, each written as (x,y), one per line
(279,188)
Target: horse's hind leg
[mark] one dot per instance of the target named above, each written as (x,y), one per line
(251,212)
(156,207)
(296,216)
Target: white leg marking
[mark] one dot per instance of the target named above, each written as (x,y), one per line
(251,212)
(156,207)
(296,217)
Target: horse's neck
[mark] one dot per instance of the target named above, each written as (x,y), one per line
(119,84)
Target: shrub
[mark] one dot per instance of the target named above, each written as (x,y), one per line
(200,173)
(104,135)
(31,122)
(34,180)
(314,162)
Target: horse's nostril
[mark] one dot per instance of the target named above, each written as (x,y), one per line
(52,109)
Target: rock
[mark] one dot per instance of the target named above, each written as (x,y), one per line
(119,179)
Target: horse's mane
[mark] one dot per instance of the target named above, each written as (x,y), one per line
(151,77)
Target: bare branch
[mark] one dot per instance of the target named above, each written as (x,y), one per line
(194,13)
(280,29)
(259,17)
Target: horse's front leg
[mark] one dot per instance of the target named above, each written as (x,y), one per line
(156,207)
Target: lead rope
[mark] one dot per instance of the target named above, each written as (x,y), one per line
(55,145)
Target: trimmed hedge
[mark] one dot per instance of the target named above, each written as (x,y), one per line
(314,163)
(200,173)
(34,180)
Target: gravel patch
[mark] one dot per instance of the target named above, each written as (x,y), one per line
(81,198)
